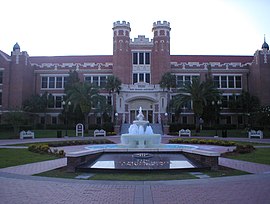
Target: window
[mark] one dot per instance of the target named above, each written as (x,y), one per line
(1,77)
(181,80)
(58,101)
(147,77)
(147,58)
(135,78)
(109,100)
(121,32)
(51,82)
(135,58)
(216,81)
(44,82)
(231,81)
(238,82)
(223,81)
(95,80)
(103,81)
(141,58)
(54,82)
(141,77)
(59,81)
(99,81)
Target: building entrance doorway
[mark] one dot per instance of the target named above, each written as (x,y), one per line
(148,115)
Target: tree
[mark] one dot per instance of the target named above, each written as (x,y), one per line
(38,104)
(113,84)
(84,96)
(168,81)
(199,94)
(246,104)
(16,118)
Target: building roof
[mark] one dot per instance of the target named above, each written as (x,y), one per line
(5,55)
(72,59)
(211,58)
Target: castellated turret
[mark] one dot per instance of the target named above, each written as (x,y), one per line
(161,50)
(121,51)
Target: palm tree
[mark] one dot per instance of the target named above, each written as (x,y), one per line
(168,81)
(84,96)
(113,84)
(199,93)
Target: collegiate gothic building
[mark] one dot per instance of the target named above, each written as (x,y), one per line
(140,64)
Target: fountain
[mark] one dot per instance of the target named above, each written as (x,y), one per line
(140,134)
(141,149)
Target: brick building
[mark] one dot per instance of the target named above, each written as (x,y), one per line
(139,63)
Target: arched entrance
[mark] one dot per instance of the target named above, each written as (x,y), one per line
(147,108)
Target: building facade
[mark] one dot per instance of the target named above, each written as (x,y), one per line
(140,64)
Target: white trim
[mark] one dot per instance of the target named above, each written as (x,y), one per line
(4,56)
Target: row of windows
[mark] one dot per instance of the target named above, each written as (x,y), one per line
(99,81)
(57,82)
(57,101)
(141,58)
(141,77)
(228,81)
(182,80)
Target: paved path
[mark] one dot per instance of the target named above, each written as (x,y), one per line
(36,168)
(246,189)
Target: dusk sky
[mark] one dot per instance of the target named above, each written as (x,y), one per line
(83,27)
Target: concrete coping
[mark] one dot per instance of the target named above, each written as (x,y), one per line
(193,151)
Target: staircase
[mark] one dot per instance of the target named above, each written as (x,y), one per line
(157,128)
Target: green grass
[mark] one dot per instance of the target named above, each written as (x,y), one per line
(230,133)
(141,176)
(225,172)
(14,157)
(260,155)
(38,134)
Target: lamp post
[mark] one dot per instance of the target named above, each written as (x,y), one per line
(216,104)
(66,107)
(166,118)
(116,118)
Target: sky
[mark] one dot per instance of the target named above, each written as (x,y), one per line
(84,27)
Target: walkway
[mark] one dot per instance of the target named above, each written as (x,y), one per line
(16,186)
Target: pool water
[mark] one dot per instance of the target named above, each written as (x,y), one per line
(162,146)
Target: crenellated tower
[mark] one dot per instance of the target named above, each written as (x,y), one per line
(161,50)
(122,65)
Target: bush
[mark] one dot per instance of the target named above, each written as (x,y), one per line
(202,141)
(243,149)
(45,149)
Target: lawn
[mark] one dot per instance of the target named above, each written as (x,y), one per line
(14,157)
(260,155)
(141,176)
(38,134)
